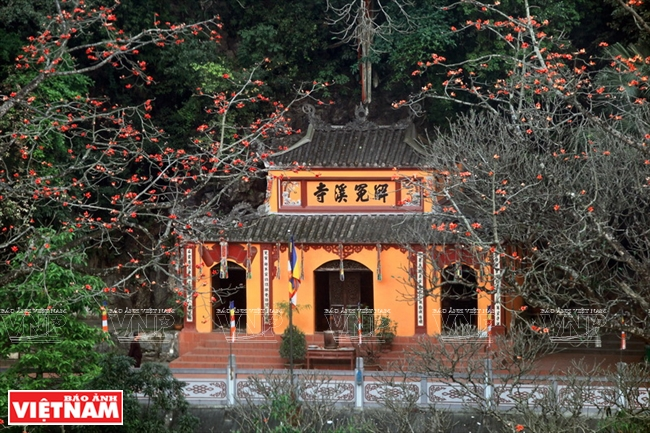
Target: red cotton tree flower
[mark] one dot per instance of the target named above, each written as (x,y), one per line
(102,174)
(557,151)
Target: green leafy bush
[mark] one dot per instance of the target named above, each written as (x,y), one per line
(299,344)
(162,406)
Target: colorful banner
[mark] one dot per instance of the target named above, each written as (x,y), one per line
(295,271)
(359,322)
(233,327)
(104,319)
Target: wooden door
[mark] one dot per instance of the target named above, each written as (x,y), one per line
(344,296)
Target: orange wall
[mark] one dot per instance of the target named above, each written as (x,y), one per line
(390,294)
(202,302)
(386,292)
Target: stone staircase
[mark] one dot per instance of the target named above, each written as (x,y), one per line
(211,351)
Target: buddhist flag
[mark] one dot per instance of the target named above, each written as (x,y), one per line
(359,322)
(489,324)
(623,344)
(104,319)
(295,270)
(232,321)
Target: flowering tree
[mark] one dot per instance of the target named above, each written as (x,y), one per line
(103,172)
(93,200)
(547,179)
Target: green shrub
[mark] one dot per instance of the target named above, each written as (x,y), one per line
(299,344)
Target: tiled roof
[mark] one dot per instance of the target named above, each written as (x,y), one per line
(360,143)
(353,228)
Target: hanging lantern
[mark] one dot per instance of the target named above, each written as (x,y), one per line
(341,269)
(249,274)
(223,264)
(277,265)
(302,261)
(378,262)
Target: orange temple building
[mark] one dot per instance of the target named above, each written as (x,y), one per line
(357,201)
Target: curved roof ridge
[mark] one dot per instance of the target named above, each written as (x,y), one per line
(360,143)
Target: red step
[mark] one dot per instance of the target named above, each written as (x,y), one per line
(212,350)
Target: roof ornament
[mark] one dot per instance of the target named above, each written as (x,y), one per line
(314,119)
(361,113)
(361,122)
(415,110)
(309,110)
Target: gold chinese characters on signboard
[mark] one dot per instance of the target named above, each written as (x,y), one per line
(386,195)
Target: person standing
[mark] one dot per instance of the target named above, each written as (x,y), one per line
(135,351)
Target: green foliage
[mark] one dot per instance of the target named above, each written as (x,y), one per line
(211,76)
(22,12)
(280,411)
(294,36)
(258,41)
(11,43)
(430,34)
(292,31)
(299,344)
(57,349)
(386,329)
(283,411)
(52,145)
(155,382)
(59,88)
(625,422)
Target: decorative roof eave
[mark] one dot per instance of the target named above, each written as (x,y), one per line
(305,139)
(397,229)
(411,140)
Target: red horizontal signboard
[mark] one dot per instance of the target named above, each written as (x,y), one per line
(65,407)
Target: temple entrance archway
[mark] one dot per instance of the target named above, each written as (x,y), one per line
(333,296)
(229,289)
(459,301)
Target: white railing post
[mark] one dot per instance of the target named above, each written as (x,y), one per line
(358,383)
(232,375)
(489,387)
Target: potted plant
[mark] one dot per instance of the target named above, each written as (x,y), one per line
(179,319)
(385,331)
(298,346)
(299,339)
